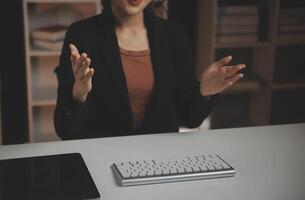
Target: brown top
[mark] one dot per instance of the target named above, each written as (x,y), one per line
(139,74)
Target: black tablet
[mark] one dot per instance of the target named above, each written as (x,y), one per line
(51,177)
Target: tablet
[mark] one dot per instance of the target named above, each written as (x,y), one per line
(61,177)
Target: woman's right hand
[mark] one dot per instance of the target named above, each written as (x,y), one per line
(82,74)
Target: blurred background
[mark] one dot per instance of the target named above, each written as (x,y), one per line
(267,35)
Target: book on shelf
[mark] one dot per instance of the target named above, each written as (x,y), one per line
(224,20)
(246,85)
(47,45)
(237,29)
(237,24)
(292,24)
(49,33)
(238,10)
(237,38)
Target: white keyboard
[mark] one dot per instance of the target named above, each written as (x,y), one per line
(162,171)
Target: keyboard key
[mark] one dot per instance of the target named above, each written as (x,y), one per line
(188,169)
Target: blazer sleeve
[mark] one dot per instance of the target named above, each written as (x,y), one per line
(192,108)
(69,116)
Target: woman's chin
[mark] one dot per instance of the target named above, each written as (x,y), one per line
(134,10)
(131,7)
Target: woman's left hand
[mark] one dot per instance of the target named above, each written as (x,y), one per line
(217,77)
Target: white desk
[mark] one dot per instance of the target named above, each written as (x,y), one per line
(269,161)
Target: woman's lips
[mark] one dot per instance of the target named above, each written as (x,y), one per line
(135,2)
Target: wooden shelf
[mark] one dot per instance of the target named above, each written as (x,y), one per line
(244,86)
(288,86)
(242,45)
(37,52)
(291,41)
(44,102)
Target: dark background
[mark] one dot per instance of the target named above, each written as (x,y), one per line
(13,79)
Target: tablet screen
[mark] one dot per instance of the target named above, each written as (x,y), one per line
(64,176)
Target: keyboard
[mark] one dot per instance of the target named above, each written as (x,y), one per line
(144,172)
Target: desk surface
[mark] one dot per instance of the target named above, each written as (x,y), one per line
(269,162)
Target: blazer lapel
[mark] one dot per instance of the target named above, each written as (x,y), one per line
(110,57)
(162,66)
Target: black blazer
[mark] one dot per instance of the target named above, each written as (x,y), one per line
(176,99)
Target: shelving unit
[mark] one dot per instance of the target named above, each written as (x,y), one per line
(40,63)
(274,78)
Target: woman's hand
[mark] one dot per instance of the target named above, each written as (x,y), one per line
(217,77)
(82,74)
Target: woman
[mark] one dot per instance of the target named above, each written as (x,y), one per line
(127,71)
